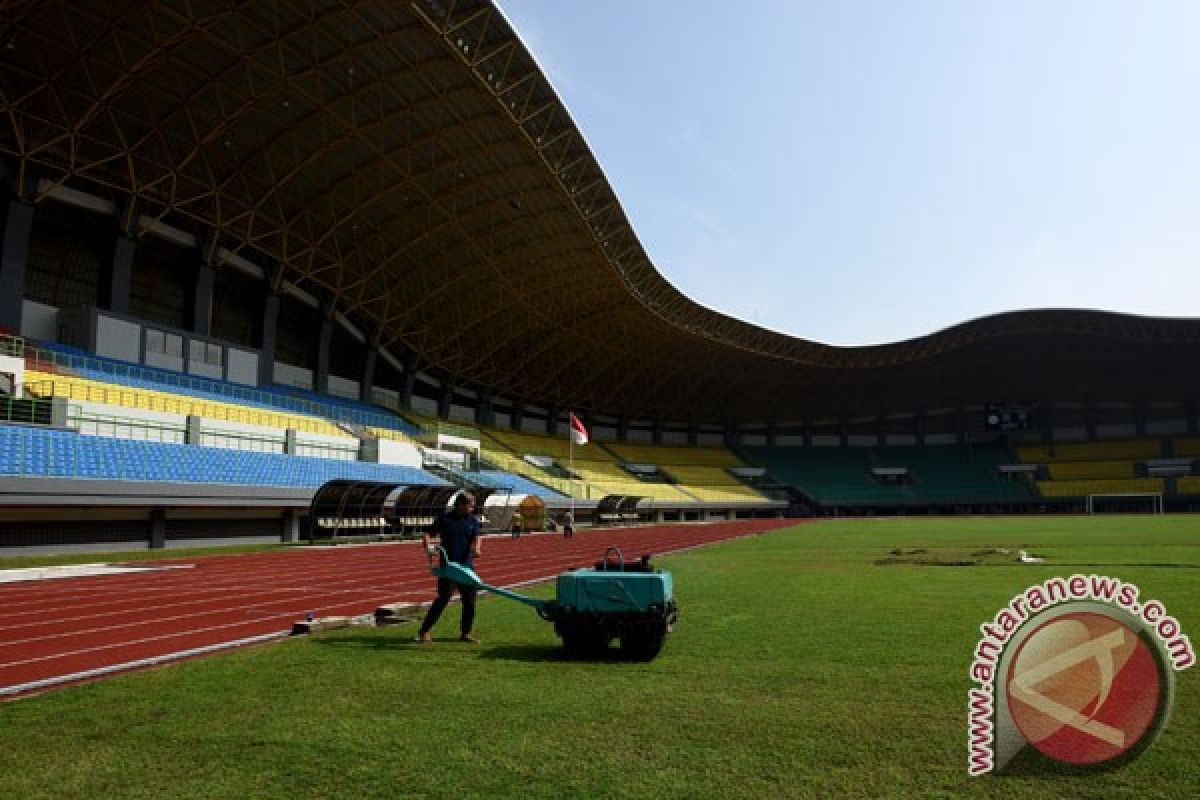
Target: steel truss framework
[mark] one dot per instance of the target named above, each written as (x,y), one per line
(410,164)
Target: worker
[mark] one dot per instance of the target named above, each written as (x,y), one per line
(458,531)
(516,525)
(569,525)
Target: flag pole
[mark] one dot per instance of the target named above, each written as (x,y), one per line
(571,451)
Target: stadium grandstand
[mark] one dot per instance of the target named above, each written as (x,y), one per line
(246,249)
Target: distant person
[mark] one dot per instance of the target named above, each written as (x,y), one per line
(569,525)
(516,524)
(458,532)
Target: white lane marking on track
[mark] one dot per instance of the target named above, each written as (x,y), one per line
(46,683)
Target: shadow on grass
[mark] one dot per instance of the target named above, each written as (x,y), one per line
(397,641)
(543,653)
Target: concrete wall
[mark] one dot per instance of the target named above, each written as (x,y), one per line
(291,375)
(343,387)
(117,338)
(39,321)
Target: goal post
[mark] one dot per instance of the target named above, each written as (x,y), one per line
(1125,502)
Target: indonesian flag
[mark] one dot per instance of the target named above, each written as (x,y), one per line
(579,434)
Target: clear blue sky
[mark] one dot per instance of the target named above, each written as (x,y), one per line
(859,172)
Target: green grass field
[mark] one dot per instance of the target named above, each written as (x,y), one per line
(800,668)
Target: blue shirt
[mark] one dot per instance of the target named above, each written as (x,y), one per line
(457,535)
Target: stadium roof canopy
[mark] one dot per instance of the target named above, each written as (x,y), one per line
(410,163)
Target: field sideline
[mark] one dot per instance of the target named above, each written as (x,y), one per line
(800,668)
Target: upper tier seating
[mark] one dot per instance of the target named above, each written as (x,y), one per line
(663,455)
(1084,488)
(558,448)
(1091,470)
(76,388)
(712,484)
(1117,449)
(50,357)
(1186,446)
(37,452)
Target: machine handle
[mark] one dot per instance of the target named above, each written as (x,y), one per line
(620,557)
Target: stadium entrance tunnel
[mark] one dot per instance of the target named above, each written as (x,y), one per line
(373,508)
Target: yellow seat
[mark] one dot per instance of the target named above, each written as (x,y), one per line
(73,388)
(1090,470)
(1128,449)
(1084,488)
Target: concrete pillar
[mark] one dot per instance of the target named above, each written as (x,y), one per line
(267,326)
(806,434)
(17,225)
(919,427)
(657,431)
(517,418)
(118,275)
(410,382)
(368,449)
(200,321)
(194,430)
(445,395)
(843,432)
(158,529)
(58,412)
(772,435)
(960,425)
(552,421)
(623,428)
(483,408)
(321,370)
(289,526)
(366,384)
(693,434)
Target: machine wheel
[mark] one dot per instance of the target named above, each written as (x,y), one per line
(644,642)
(583,640)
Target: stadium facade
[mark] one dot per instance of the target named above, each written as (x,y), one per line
(389,203)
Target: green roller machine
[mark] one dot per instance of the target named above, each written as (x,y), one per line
(630,602)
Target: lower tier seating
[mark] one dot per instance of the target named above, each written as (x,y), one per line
(937,474)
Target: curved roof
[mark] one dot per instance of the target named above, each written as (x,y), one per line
(410,163)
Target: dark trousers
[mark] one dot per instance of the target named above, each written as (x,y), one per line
(445,590)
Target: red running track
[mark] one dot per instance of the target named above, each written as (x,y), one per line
(63,630)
